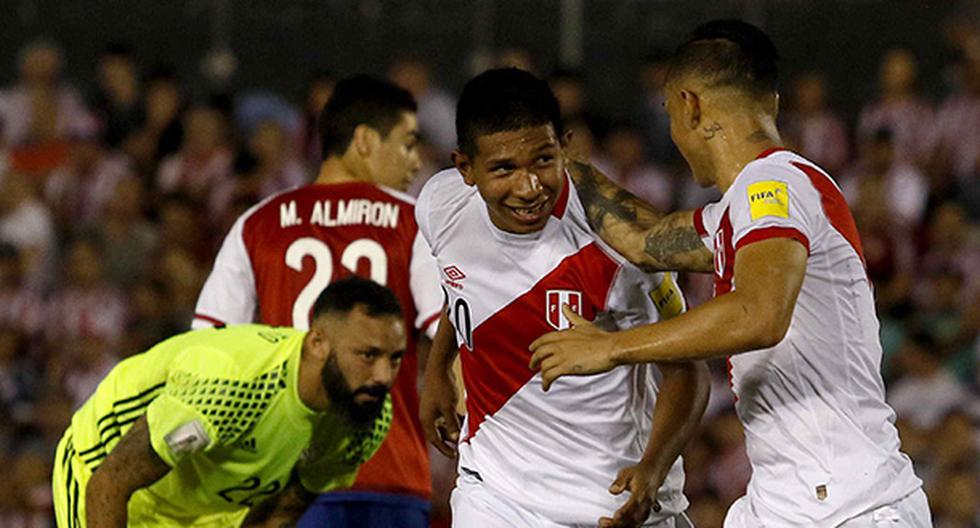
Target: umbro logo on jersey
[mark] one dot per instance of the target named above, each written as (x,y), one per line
(454,273)
(453,276)
(554,300)
(247,444)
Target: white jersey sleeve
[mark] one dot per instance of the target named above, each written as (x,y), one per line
(424,282)
(773,202)
(229,295)
(441,199)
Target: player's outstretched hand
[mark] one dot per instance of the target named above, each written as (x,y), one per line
(578,351)
(437,412)
(642,482)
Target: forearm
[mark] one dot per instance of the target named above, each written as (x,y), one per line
(283,510)
(132,465)
(723,326)
(443,351)
(105,503)
(681,400)
(647,237)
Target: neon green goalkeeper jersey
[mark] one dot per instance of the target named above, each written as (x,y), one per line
(223,410)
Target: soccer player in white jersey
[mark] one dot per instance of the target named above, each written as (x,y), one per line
(793,307)
(513,245)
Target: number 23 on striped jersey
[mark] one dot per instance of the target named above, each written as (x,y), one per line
(323,269)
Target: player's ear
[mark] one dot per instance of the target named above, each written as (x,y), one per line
(365,140)
(691,108)
(565,139)
(318,342)
(465,167)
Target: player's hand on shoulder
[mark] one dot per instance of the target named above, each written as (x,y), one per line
(580,350)
(642,482)
(437,411)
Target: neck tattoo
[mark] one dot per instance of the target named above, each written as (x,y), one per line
(712,130)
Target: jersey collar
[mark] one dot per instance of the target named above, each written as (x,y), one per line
(562,203)
(766,153)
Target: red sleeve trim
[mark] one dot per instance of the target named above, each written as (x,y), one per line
(432,319)
(699,222)
(766,233)
(766,153)
(210,320)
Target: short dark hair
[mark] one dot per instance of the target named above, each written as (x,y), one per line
(502,100)
(343,295)
(729,53)
(361,100)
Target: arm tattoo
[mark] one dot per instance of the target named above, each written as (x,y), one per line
(645,236)
(599,205)
(712,130)
(661,247)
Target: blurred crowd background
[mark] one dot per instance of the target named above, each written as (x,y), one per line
(128,147)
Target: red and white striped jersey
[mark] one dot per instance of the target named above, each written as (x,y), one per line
(819,435)
(281,254)
(554,453)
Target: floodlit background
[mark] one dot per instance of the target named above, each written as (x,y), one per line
(133,133)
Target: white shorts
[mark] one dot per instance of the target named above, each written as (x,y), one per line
(911,511)
(473,505)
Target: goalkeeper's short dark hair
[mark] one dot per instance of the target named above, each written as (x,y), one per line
(344,295)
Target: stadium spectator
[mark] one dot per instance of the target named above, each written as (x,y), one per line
(41,108)
(952,244)
(161,131)
(570,90)
(20,383)
(651,114)
(79,190)
(811,127)
(435,104)
(957,499)
(26,223)
(956,142)
(21,303)
(118,99)
(127,237)
(266,164)
(318,91)
(880,174)
(926,391)
(203,165)
(85,304)
(625,161)
(899,107)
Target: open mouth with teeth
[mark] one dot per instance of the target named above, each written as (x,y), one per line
(532,214)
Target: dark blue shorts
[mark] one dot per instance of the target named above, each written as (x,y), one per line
(361,509)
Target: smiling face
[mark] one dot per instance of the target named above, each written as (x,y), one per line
(519,174)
